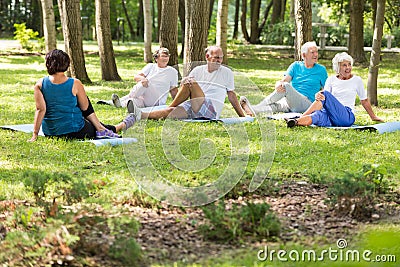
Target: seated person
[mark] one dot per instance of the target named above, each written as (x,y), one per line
(335,105)
(153,83)
(62,106)
(296,91)
(201,95)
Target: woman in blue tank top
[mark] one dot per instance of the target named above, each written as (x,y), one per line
(63,108)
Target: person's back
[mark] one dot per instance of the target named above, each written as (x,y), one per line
(63,114)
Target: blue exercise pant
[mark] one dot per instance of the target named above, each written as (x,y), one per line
(333,113)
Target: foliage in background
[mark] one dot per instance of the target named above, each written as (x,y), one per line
(356,194)
(28,38)
(239,221)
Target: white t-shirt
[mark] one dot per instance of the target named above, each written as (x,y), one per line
(215,84)
(346,90)
(161,79)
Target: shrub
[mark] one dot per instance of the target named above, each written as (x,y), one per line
(356,194)
(255,220)
(28,38)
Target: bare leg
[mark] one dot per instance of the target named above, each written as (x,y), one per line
(95,121)
(304,120)
(316,105)
(190,90)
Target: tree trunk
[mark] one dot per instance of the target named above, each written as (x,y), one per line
(375,53)
(181,12)
(139,20)
(276,11)
(283,10)
(72,29)
(222,27)
(266,14)
(236,20)
(106,52)
(131,29)
(303,17)
(356,36)
(196,32)
(243,18)
(148,31)
(211,8)
(159,12)
(169,29)
(49,25)
(255,16)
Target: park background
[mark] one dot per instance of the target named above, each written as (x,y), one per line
(75,204)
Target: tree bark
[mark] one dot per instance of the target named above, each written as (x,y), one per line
(236,20)
(243,18)
(255,16)
(303,18)
(72,29)
(372,88)
(131,29)
(106,52)
(181,12)
(148,31)
(356,36)
(49,25)
(222,28)
(276,11)
(169,29)
(196,32)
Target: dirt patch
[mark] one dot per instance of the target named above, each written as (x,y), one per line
(170,234)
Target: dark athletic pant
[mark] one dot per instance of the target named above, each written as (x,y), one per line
(88,130)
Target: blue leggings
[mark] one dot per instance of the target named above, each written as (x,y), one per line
(333,113)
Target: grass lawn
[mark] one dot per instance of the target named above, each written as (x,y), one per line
(192,154)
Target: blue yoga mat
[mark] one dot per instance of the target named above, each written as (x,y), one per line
(28,128)
(386,127)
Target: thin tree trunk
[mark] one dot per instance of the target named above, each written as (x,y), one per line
(148,31)
(222,27)
(106,52)
(236,23)
(255,16)
(356,38)
(303,17)
(243,19)
(181,13)
(49,25)
(196,32)
(375,54)
(72,28)
(131,29)
(169,29)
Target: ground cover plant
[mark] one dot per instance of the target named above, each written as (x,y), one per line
(73,203)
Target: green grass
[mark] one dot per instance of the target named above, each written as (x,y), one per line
(310,154)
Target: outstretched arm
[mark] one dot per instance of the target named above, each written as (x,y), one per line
(40,110)
(235,103)
(367,106)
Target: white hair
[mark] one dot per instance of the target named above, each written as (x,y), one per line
(307,45)
(340,57)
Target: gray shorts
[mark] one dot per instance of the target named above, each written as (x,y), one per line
(206,111)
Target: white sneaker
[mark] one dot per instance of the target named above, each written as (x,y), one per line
(116,101)
(133,109)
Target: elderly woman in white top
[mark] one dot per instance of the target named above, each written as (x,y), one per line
(154,83)
(334,106)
